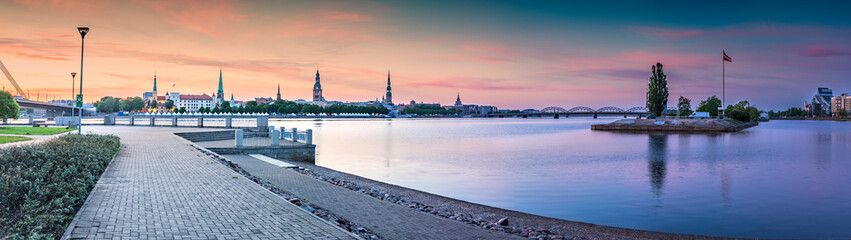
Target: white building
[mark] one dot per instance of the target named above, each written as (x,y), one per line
(194,102)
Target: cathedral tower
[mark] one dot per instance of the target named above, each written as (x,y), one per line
(317,89)
(388,99)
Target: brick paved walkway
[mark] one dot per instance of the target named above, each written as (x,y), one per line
(160,187)
(387,219)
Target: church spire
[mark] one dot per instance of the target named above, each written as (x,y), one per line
(155,81)
(388,98)
(221,90)
(279,91)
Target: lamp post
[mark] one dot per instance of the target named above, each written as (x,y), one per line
(83,31)
(73,74)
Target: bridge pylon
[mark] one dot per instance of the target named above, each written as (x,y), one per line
(11,79)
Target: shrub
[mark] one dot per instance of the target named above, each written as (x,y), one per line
(42,186)
(740,115)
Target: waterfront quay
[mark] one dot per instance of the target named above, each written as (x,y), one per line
(159,187)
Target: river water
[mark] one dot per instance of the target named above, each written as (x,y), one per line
(782,179)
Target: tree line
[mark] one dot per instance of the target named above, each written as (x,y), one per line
(289,107)
(428,110)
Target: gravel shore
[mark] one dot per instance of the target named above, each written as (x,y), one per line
(496,219)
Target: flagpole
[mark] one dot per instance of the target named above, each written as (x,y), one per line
(723,83)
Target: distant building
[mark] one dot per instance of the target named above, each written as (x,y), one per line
(317,89)
(147,95)
(840,102)
(279,92)
(461,108)
(194,102)
(487,109)
(820,106)
(388,98)
(264,100)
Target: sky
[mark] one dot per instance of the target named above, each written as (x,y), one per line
(511,54)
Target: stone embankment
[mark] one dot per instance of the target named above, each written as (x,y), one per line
(485,217)
(674,125)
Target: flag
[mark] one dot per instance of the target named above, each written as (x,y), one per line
(726,58)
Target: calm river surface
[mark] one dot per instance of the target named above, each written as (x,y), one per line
(782,179)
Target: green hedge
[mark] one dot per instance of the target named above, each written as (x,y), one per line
(43,185)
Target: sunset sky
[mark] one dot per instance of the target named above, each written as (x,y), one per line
(512,54)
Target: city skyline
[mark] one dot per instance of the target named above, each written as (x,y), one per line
(512,56)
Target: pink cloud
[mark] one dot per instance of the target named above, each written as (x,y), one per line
(746,30)
(214,18)
(345,16)
(827,51)
(336,26)
(475,84)
(668,33)
(39,56)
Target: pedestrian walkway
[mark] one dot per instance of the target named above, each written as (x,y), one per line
(33,139)
(388,220)
(159,187)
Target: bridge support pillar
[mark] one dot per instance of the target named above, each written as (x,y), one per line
(525,116)
(595,115)
(109,119)
(555,116)
(238,137)
(276,137)
(263,123)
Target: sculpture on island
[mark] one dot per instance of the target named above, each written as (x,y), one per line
(657,93)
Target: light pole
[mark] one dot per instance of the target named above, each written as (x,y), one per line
(83,31)
(73,74)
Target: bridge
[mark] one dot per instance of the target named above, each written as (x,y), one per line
(556,112)
(51,109)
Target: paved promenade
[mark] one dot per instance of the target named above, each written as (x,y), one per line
(35,139)
(159,187)
(389,220)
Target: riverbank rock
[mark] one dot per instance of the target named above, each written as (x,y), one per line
(502,222)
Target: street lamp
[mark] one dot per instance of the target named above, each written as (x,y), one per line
(73,74)
(83,32)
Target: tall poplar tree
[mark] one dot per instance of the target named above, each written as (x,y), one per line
(657,92)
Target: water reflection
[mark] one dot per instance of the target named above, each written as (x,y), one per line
(656,163)
(783,179)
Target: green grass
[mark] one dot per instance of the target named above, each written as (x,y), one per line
(8,139)
(34,130)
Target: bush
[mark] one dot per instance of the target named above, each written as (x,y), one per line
(740,115)
(42,186)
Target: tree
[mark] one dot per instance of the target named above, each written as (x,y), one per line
(137,104)
(711,105)
(657,92)
(842,113)
(9,109)
(124,105)
(684,105)
(169,104)
(153,104)
(107,104)
(182,110)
